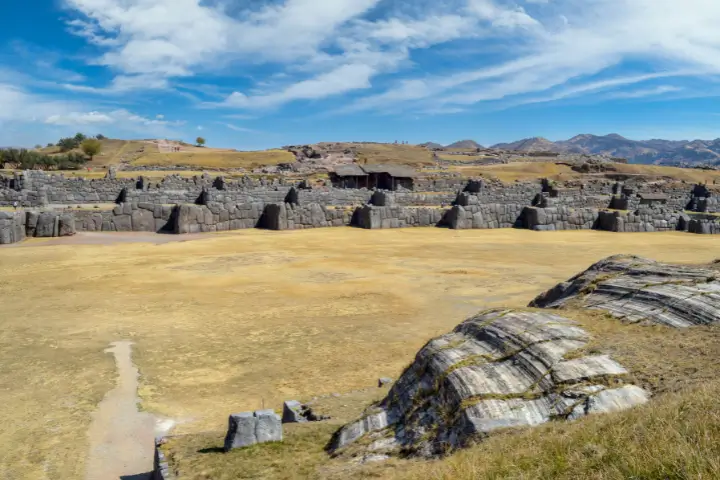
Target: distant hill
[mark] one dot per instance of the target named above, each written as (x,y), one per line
(535,144)
(465,144)
(431,145)
(656,151)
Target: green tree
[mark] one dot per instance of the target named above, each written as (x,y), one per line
(79,138)
(67,144)
(100,136)
(200,141)
(91,147)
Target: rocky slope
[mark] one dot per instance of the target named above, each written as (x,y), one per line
(656,151)
(496,370)
(640,290)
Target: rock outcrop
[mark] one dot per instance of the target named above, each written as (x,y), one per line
(496,370)
(640,290)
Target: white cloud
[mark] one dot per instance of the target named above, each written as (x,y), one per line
(314,49)
(596,42)
(647,92)
(340,80)
(237,128)
(77,118)
(119,117)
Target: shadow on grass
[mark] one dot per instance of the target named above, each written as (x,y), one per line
(139,476)
(212,450)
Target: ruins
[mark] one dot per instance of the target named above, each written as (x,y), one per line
(397,198)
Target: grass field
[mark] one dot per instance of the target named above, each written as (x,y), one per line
(236,321)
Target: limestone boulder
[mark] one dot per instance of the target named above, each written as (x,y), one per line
(249,428)
(499,369)
(636,289)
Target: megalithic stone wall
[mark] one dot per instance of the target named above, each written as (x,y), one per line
(373,217)
(704,225)
(484,216)
(558,218)
(288,216)
(49,224)
(643,220)
(217,217)
(12,227)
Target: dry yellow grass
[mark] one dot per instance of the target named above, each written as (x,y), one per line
(511,172)
(217,159)
(113,151)
(239,320)
(380,153)
(461,158)
(524,171)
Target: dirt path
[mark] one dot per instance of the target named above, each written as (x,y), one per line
(121,438)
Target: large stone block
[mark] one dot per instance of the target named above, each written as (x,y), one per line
(122,223)
(249,428)
(46,225)
(143,220)
(66,225)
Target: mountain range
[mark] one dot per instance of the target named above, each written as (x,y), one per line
(655,151)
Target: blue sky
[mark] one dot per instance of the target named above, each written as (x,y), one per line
(252,74)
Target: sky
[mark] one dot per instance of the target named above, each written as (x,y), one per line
(255,74)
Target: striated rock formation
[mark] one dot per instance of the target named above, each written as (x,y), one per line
(498,369)
(641,290)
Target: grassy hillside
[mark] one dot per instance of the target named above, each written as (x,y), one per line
(216,159)
(375,153)
(511,172)
(113,151)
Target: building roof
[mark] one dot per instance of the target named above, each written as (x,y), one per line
(653,196)
(350,170)
(399,171)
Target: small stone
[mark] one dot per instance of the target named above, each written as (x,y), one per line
(384,381)
(292,412)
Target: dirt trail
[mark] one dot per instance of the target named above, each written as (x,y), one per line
(121,437)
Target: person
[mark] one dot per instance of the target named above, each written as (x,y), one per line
(15,205)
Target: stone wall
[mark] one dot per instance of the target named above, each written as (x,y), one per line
(558,218)
(216,217)
(643,220)
(49,224)
(709,225)
(375,217)
(127,217)
(12,227)
(288,216)
(484,216)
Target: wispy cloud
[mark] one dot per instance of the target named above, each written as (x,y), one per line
(237,128)
(375,55)
(647,92)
